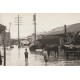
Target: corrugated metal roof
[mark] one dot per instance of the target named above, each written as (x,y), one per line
(73,28)
(60,30)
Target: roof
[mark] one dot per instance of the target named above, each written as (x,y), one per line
(73,27)
(60,30)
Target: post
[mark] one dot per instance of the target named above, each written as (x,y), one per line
(65,32)
(18,34)
(34,19)
(4,45)
(10,35)
(18,22)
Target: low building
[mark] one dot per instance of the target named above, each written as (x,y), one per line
(57,35)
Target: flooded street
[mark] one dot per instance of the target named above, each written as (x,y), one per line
(15,57)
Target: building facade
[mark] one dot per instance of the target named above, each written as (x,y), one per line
(58,37)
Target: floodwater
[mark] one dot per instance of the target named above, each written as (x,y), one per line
(15,57)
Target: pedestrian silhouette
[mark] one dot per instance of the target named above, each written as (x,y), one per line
(26,57)
(45,54)
(0,58)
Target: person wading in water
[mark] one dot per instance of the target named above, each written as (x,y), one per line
(26,54)
(0,58)
(45,54)
(26,57)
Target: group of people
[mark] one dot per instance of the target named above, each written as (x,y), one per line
(45,55)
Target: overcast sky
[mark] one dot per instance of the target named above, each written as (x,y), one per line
(45,22)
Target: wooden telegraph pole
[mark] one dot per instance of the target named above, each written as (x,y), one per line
(3,32)
(34,20)
(18,22)
(10,34)
(4,45)
(18,34)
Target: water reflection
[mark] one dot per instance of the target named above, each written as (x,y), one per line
(26,62)
(16,57)
(18,52)
(46,63)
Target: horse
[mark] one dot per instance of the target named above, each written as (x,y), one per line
(52,48)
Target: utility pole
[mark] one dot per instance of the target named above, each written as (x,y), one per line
(3,33)
(18,22)
(10,34)
(18,34)
(34,20)
(4,45)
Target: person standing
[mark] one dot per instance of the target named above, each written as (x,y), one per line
(45,54)
(26,54)
(0,58)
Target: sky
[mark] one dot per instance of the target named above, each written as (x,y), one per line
(44,21)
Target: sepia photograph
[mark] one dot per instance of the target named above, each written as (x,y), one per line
(39,39)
